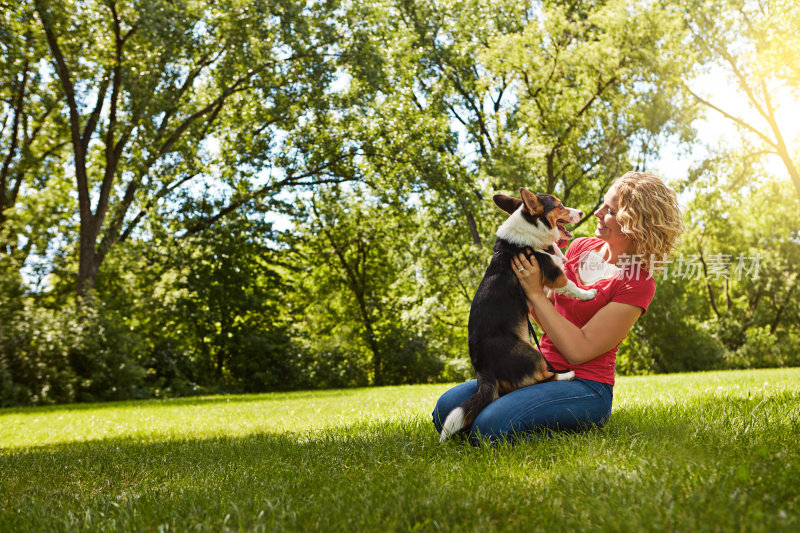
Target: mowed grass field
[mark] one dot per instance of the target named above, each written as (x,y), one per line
(684,452)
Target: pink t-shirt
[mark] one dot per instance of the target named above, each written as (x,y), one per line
(632,285)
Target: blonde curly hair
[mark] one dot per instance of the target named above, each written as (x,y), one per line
(649,214)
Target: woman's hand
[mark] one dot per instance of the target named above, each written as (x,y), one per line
(528,274)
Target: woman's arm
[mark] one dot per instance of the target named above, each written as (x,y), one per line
(550,296)
(578,345)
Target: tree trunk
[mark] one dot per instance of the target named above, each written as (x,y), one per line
(372,342)
(789,164)
(473,226)
(88,262)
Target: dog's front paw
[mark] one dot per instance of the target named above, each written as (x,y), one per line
(588,294)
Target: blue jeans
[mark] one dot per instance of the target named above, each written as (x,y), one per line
(530,410)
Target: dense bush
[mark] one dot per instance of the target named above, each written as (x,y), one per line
(75,353)
(762,348)
(408,359)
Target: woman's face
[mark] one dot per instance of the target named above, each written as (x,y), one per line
(608,228)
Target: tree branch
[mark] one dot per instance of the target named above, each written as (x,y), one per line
(708,283)
(74,117)
(205,61)
(12,149)
(727,115)
(111,154)
(94,117)
(291,180)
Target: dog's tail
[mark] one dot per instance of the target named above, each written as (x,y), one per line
(463,416)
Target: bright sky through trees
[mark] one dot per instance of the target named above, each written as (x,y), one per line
(714,129)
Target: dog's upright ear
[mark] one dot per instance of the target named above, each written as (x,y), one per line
(508,204)
(532,203)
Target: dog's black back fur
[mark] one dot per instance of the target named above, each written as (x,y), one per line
(499,349)
(487,319)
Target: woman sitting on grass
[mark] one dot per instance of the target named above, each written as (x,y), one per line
(639,222)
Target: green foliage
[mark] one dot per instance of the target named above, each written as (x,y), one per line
(209,307)
(230,300)
(671,336)
(737,308)
(252,195)
(408,359)
(593,95)
(757,246)
(358,282)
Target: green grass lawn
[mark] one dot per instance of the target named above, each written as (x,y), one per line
(683,452)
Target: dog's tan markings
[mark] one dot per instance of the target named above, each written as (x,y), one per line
(532,203)
(560,281)
(504,387)
(522,331)
(553,217)
(526,381)
(541,373)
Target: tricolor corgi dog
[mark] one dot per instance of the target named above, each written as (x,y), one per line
(499,344)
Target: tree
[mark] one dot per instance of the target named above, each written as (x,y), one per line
(748,253)
(554,96)
(736,308)
(356,280)
(756,44)
(173,94)
(229,306)
(31,138)
(728,299)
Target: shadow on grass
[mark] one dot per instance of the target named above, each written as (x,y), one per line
(190,401)
(283,481)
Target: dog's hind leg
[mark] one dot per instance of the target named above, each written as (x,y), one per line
(539,370)
(463,415)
